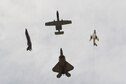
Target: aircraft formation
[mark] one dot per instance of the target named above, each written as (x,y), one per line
(62,67)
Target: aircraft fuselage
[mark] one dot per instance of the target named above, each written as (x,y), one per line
(94,38)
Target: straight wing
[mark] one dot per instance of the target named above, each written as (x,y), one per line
(63,22)
(53,23)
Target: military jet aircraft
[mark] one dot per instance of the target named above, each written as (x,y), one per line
(28,41)
(62,67)
(58,24)
(94,37)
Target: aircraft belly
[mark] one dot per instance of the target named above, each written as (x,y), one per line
(58,27)
(93,40)
(94,36)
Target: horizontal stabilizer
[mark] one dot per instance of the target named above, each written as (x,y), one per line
(61,32)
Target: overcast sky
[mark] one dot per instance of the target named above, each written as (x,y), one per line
(105,64)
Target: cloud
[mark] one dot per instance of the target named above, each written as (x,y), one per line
(104,64)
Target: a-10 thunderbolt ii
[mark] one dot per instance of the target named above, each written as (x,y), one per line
(62,67)
(94,37)
(28,41)
(58,24)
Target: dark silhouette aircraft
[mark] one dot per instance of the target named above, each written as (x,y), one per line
(28,40)
(62,67)
(58,24)
(94,37)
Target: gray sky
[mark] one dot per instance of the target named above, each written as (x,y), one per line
(104,64)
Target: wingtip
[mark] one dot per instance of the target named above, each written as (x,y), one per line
(46,24)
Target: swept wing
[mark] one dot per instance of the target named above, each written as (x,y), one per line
(57,67)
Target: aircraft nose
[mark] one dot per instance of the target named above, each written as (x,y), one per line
(94,31)
(61,52)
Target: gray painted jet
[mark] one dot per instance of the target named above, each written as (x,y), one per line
(94,37)
(28,41)
(58,24)
(62,67)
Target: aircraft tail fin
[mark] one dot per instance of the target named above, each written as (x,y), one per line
(58,33)
(68,74)
(59,75)
(95,44)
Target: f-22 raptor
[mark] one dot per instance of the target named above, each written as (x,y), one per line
(62,67)
(58,24)
(94,37)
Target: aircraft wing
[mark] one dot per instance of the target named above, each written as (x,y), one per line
(63,22)
(69,67)
(56,68)
(97,38)
(53,23)
(90,38)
